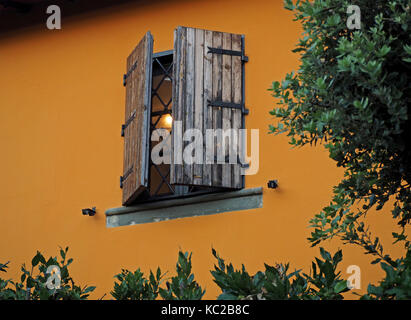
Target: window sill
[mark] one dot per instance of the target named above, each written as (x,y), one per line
(185,207)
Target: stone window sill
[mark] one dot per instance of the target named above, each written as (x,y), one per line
(200,205)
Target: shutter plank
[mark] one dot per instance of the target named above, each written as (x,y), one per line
(136,135)
(178,105)
(198,100)
(189,96)
(226,112)
(217,112)
(237,98)
(207,111)
(182,92)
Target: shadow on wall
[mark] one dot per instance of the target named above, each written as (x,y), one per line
(16,14)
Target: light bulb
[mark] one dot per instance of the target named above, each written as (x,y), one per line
(168,120)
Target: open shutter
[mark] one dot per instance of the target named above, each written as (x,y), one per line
(136,129)
(207,94)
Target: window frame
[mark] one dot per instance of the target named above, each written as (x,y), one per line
(181,187)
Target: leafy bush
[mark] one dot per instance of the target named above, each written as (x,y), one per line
(33,286)
(352,93)
(182,286)
(6,293)
(397,283)
(326,283)
(275,283)
(134,286)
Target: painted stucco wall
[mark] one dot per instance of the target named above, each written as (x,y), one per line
(61,107)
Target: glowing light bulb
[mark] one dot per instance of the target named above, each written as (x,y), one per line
(168,120)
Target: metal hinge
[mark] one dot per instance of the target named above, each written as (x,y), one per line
(125,176)
(129,120)
(228,52)
(125,76)
(223,104)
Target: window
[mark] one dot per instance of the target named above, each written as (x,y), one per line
(199,85)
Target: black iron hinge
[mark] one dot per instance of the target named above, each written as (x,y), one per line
(227,161)
(129,120)
(244,58)
(232,105)
(125,76)
(125,176)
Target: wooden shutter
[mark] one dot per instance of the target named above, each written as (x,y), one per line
(136,129)
(207,94)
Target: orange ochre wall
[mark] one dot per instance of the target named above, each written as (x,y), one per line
(61,107)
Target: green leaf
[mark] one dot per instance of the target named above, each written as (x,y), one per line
(341,286)
(89,289)
(288,4)
(227,296)
(326,255)
(36,259)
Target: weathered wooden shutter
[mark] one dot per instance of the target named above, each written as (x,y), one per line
(136,129)
(207,94)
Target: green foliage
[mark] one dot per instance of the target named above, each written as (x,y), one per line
(235,284)
(182,286)
(276,283)
(32,285)
(325,280)
(352,94)
(397,283)
(6,293)
(134,286)
(4,266)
